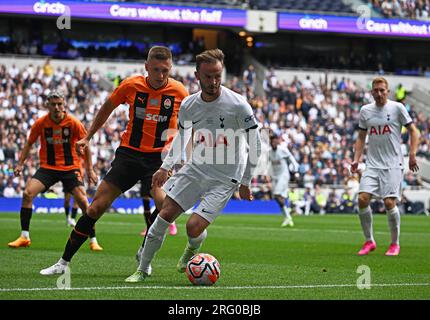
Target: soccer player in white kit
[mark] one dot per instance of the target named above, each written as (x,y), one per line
(280,176)
(382,122)
(226,148)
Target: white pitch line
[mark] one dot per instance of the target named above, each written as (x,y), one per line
(321,286)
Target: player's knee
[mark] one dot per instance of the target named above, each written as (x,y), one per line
(95,210)
(363,200)
(28,196)
(389,203)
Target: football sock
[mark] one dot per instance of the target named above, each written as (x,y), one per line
(393,216)
(366,219)
(195,243)
(25,234)
(154,215)
(286,212)
(78,236)
(146,204)
(154,239)
(66,211)
(25,216)
(74,213)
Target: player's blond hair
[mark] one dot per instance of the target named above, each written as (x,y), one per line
(380,80)
(209,56)
(160,53)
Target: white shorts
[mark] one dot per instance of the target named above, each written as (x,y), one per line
(383,183)
(187,187)
(280,187)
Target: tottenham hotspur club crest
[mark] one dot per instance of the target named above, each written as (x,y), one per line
(222,122)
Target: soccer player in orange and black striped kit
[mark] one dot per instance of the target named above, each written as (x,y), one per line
(59,161)
(154,103)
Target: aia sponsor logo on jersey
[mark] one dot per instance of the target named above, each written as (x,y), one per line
(380,130)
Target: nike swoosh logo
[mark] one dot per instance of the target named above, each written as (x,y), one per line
(194,122)
(205,211)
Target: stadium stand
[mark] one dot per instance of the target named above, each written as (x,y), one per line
(410,9)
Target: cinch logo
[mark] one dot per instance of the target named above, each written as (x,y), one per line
(380,130)
(46,7)
(316,24)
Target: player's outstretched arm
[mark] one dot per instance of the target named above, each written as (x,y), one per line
(254,153)
(22,157)
(413,132)
(359,147)
(102,115)
(91,174)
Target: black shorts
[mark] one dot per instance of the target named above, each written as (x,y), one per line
(130,166)
(70,179)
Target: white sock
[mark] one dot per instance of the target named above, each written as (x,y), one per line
(393,216)
(286,212)
(366,219)
(153,242)
(195,243)
(25,234)
(93,240)
(63,262)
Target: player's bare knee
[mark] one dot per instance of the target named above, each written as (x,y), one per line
(28,196)
(193,229)
(389,203)
(363,200)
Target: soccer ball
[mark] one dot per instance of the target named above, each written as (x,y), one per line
(203,269)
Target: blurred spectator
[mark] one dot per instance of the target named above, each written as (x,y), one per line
(333,203)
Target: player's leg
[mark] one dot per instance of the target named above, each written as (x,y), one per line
(37,184)
(80,197)
(155,237)
(106,193)
(159,195)
(369,186)
(210,207)
(67,197)
(146,200)
(74,210)
(392,180)
(182,192)
(288,221)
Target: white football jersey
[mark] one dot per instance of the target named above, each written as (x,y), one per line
(384,125)
(219,141)
(278,160)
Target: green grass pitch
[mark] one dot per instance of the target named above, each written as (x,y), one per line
(259,260)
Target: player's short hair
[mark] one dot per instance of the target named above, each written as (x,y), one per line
(379,80)
(160,53)
(55,94)
(209,56)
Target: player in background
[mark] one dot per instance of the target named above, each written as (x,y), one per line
(381,122)
(58,132)
(279,156)
(71,218)
(218,116)
(154,103)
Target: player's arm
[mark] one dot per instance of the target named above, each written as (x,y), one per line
(34,134)
(292,160)
(91,174)
(359,147)
(22,157)
(413,132)
(101,117)
(254,153)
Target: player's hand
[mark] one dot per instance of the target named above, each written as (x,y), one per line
(92,177)
(245,193)
(18,169)
(81,145)
(354,167)
(159,177)
(413,165)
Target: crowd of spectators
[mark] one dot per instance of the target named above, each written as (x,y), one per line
(409,9)
(317,121)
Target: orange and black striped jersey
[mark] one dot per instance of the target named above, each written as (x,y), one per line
(57,142)
(152,112)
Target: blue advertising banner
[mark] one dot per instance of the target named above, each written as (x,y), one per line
(134,206)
